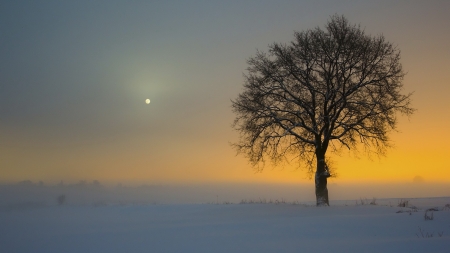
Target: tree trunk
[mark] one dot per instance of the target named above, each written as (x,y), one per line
(321,181)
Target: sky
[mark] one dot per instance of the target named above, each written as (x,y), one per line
(74,77)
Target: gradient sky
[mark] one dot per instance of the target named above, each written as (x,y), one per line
(74,76)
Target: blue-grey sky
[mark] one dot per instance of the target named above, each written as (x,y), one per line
(74,76)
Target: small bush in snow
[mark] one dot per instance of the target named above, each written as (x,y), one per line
(423,234)
(363,202)
(403,203)
(428,216)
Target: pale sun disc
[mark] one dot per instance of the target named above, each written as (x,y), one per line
(147,101)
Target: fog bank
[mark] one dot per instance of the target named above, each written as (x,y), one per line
(28,194)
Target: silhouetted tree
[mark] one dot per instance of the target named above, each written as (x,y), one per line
(329,88)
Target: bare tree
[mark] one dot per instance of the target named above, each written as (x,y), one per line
(328,89)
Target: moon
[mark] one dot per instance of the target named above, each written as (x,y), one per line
(147,101)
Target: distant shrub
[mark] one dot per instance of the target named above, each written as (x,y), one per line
(423,234)
(428,216)
(365,201)
(61,200)
(264,201)
(403,203)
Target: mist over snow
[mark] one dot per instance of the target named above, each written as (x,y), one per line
(29,194)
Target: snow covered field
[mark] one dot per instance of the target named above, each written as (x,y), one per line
(346,226)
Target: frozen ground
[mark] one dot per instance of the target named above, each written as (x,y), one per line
(346,226)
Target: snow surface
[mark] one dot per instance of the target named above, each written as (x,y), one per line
(346,226)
